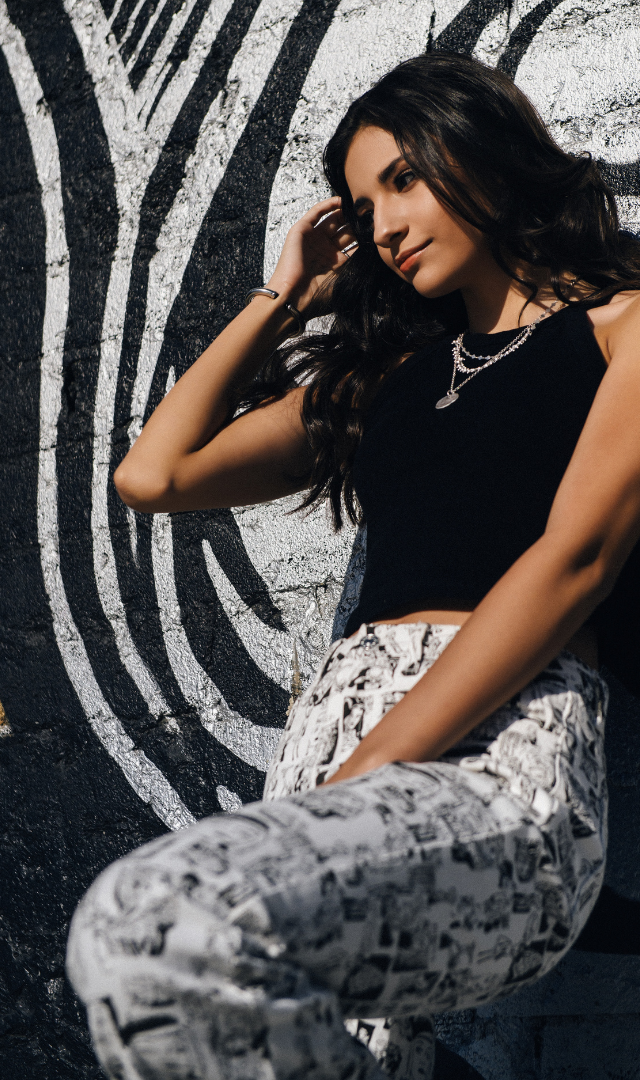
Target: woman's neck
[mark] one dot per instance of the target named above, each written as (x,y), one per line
(495,302)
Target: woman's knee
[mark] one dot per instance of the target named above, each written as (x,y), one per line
(167,951)
(158,908)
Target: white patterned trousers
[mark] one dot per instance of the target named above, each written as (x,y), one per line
(236,948)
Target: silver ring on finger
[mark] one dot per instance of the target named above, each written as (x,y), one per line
(349,248)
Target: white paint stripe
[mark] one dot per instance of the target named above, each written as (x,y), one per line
(184,78)
(229,800)
(117,109)
(251,743)
(134,155)
(104,561)
(271,649)
(495,37)
(116,9)
(145,33)
(155,73)
(145,779)
(217,140)
(114,95)
(131,21)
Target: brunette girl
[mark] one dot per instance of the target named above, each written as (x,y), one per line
(434,825)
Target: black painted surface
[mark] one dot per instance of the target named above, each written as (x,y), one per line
(66,810)
(450,1066)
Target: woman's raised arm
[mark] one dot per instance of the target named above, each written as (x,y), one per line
(188,456)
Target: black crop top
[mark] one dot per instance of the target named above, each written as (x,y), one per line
(452,497)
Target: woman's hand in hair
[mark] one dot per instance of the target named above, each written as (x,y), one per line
(191,454)
(313,252)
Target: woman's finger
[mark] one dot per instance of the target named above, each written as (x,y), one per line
(331,223)
(349,249)
(321,209)
(337,231)
(346,238)
(345,234)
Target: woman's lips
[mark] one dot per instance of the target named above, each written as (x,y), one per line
(406,261)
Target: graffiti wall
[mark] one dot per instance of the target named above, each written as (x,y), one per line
(154,154)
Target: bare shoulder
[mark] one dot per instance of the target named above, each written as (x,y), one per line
(616,325)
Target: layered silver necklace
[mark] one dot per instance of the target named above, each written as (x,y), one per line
(460,368)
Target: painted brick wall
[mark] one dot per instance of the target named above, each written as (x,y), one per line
(154,154)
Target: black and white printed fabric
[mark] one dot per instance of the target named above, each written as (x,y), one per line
(236,947)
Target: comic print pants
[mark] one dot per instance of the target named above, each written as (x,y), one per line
(311,936)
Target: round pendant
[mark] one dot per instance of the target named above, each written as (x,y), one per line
(448,399)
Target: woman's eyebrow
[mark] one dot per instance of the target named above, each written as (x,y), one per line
(386,172)
(381,178)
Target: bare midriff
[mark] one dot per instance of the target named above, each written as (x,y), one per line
(584,643)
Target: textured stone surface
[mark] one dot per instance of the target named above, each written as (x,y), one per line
(153,157)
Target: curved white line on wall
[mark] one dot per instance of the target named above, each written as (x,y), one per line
(134,154)
(362,43)
(229,800)
(271,649)
(582,73)
(184,78)
(495,36)
(251,743)
(146,780)
(217,140)
(104,563)
(131,21)
(151,22)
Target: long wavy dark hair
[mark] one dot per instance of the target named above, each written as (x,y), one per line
(537,204)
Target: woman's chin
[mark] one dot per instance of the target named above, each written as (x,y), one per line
(433,290)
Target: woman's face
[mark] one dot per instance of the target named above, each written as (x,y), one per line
(417,237)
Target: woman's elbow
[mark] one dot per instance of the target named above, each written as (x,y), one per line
(587,567)
(596,570)
(142,490)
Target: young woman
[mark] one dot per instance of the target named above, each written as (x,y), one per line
(433,830)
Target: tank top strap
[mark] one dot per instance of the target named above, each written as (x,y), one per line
(579,331)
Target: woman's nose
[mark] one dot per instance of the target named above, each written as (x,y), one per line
(387,226)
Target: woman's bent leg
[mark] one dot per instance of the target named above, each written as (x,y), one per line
(184,975)
(233,949)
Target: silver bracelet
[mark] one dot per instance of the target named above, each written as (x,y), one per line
(262,291)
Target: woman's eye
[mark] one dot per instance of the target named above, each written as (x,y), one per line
(405,178)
